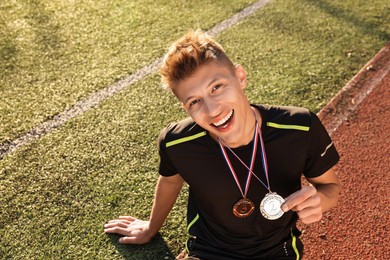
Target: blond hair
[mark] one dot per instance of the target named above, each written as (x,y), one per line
(188,53)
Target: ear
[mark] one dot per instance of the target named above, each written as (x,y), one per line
(241,75)
(174,92)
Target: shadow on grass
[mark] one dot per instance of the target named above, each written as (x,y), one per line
(373,28)
(156,249)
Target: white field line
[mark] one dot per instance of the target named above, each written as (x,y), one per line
(93,100)
(345,102)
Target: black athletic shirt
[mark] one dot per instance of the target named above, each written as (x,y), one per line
(296,143)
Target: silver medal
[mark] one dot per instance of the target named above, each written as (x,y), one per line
(270,206)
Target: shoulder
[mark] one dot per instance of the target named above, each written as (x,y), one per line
(180,131)
(286,116)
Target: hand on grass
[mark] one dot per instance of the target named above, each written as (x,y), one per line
(134,231)
(306,203)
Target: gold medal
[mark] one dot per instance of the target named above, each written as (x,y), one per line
(270,206)
(243,208)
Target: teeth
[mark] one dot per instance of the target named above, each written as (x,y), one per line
(223,120)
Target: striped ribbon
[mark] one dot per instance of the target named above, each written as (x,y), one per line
(248,180)
(263,160)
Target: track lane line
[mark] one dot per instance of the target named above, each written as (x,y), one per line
(347,100)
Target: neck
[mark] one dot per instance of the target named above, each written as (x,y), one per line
(253,119)
(257,115)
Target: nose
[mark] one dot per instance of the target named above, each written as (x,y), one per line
(213,108)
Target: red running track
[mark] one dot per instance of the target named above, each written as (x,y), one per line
(359,227)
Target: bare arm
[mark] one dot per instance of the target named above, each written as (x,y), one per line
(328,187)
(137,231)
(310,202)
(167,191)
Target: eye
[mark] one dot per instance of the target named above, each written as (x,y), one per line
(193,103)
(216,87)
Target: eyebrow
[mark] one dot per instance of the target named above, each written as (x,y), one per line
(208,85)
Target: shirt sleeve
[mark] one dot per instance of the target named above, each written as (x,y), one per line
(166,166)
(321,152)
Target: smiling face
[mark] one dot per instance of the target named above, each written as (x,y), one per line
(214,97)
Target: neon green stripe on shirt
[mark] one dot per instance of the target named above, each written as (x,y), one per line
(294,245)
(188,229)
(293,127)
(192,222)
(185,139)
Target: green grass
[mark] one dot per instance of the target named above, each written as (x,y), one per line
(301,53)
(57,193)
(55,53)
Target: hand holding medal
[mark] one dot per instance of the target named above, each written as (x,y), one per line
(306,203)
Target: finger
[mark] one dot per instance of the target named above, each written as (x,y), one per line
(298,197)
(118,230)
(118,221)
(116,224)
(307,212)
(311,202)
(128,218)
(309,215)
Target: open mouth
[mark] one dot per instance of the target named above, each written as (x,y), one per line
(224,122)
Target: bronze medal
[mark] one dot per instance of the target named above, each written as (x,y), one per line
(243,208)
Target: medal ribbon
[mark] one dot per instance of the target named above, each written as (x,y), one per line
(263,159)
(248,180)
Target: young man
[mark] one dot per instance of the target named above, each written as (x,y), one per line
(243,163)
